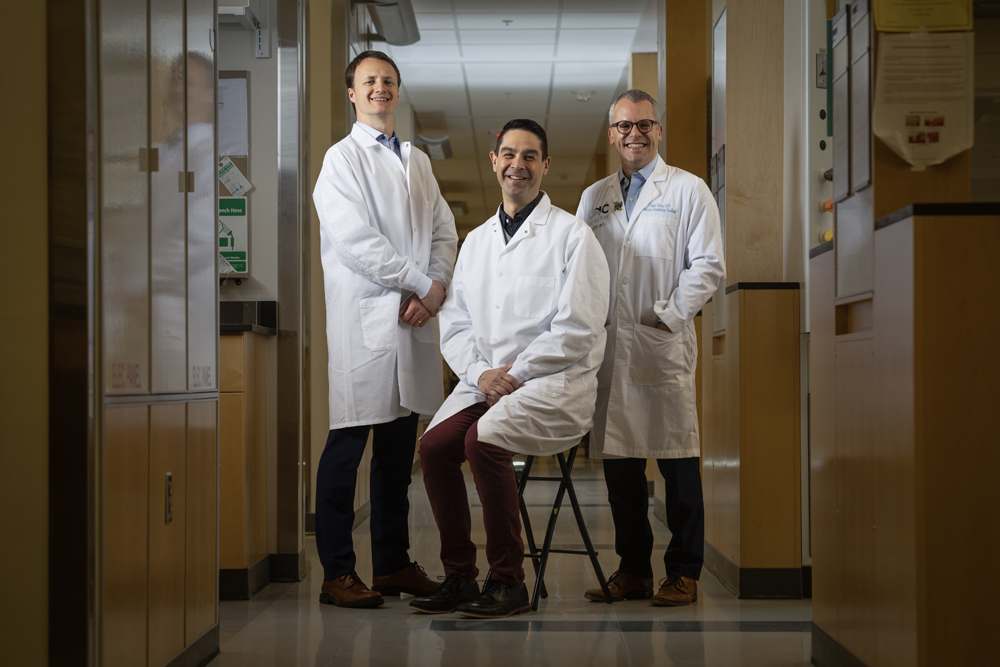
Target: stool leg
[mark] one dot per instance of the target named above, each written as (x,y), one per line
(584,533)
(528,532)
(550,530)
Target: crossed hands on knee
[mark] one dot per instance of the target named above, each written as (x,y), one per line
(496,383)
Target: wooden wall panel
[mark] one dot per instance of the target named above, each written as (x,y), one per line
(754,140)
(856,496)
(769,452)
(231,363)
(687,79)
(168,440)
(232,481)
(707,421)
(726,387)
(957,370)
(895,492)
(202,590)
(256,448)
(124,550)
(823,446)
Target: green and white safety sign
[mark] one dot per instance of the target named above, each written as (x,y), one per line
(234,241)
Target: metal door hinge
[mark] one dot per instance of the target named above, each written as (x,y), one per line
(149,159)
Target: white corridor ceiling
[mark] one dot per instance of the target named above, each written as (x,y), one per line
(480,63)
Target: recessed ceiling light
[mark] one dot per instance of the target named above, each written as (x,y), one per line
(584,95)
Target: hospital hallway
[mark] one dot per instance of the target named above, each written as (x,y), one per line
(284,625)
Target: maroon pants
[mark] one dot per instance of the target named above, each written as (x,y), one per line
(442,451)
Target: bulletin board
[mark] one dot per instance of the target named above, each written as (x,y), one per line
(235,178)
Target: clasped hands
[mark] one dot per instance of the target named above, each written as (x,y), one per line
(417,312)
(497,383)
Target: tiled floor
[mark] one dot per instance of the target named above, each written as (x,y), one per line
(285,624)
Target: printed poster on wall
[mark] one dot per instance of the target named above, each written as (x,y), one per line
(931,15)
(924,95)
(234,241)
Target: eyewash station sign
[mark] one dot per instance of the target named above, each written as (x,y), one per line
(234,239)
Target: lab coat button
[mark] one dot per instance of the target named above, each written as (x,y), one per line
(501,275)
(624,281)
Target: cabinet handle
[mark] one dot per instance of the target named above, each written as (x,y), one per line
(170,498)
(149,159)
(190,181)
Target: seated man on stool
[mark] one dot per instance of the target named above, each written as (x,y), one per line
(523,328)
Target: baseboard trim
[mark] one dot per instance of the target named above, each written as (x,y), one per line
(244,584)
(756,583)
(200,652)
(288,567)
(828,652)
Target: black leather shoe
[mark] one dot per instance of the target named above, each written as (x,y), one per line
(454,590)
(498,600)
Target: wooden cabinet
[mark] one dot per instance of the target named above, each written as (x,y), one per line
(243,553)
(904,461)
(751,454)
(159,511)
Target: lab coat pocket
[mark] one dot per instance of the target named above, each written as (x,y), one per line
(378,322)
(550,386)
(533,296)
(655,236)
(658,357)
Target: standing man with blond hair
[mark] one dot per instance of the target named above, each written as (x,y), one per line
(388,244)
(659,228)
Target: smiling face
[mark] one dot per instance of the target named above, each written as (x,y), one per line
(635,148)
(519,168)
(375,92)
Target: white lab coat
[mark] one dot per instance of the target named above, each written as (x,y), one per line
(385,233)
(666,263)
(538,302)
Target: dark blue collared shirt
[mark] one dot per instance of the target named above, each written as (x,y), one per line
(511,225)
(392,143)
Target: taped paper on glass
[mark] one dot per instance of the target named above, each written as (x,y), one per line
(924,95)
(231,177)
(234,235)
(930,15)
(233,122)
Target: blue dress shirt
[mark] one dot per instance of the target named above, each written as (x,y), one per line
(392,143)
(630,191)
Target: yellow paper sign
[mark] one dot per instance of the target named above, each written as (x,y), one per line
(931,15)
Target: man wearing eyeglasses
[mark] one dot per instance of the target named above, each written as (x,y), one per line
(659,228)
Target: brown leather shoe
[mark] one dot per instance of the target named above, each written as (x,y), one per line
(676,591)
(623,586)
(411,580)
(349,591)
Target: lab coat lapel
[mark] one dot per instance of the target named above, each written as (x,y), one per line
(652,189)
(612,197)
(528,229)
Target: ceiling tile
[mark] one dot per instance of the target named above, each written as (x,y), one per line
(516,6)
(602,20)
(435,21)
(602,6)
(421,6)
(517,21)
(438,37)
(420,53)
(613,53)
(592,36)
(479,37)
(486,75)
(489,53)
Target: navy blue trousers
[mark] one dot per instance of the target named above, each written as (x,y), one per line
(336,477)
(629,499)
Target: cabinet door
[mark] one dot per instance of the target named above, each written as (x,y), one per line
(202,236)
(124,205)
(168,183)
(167,467)
(202,590)
(232,483)
(124,553)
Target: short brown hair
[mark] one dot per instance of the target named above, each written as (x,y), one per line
(365,55)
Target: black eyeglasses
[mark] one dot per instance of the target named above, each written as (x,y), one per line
(625,126)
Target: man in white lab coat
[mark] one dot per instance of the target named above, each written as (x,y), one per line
(659,228)
(388,245)
(523,330)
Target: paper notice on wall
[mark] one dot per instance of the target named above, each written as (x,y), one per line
(234,235)
(931,15)
(924,96)
(233,125)
(231,177)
